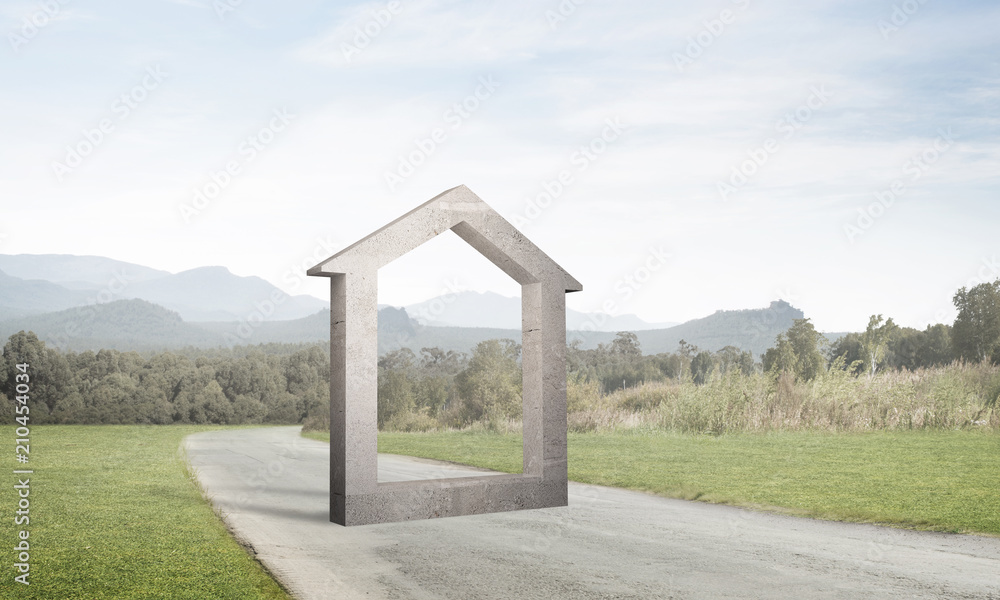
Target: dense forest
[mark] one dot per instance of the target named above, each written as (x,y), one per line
(113,387)
(446,389)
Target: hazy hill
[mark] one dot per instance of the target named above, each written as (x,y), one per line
(751,329)
(120,325)
(140,325)
(244,313)
(393,325)
(312,329)
(491,310)
(215,294)
(19,297)
(396,329)
(75,272)
(202,294)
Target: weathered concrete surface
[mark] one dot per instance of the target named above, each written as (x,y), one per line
(607,543)
(356,496)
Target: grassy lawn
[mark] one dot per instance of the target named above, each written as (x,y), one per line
(114,514)
(943,481)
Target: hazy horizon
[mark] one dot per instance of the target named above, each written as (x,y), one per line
(448,295)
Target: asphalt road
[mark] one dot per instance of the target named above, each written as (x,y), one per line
(271,486)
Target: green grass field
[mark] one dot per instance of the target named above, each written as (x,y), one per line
(115,514)
(943,481)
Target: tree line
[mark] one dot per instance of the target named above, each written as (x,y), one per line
(437,388)
(113,387)
(267,384)
(973,338)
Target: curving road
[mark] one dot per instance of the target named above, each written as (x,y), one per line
(271,486)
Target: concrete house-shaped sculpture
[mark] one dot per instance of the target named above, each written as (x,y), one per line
(356,496)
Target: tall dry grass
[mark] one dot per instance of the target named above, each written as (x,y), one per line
(959,396)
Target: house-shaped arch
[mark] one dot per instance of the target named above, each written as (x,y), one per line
(356,496)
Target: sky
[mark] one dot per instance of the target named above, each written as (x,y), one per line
(676,158)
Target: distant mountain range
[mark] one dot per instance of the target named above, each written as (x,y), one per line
(489,309)
(119,325)
(88,302)
(750,329)
(39,283)
(20,297)
(75,272)
(143,326)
